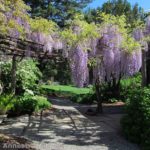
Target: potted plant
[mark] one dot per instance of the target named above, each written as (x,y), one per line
(5,105)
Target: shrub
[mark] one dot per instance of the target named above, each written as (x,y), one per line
(27,75)
(42,103)
(5,103)
(23,105)
(128,85)
(136,124)
(29,103)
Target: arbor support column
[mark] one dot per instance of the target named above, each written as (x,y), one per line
(13,74)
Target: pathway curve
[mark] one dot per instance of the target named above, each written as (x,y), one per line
(67,128)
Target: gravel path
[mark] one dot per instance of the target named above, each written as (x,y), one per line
(67,128)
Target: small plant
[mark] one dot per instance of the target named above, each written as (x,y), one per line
(42,103)
(27,75)
(29,103)
(5,103)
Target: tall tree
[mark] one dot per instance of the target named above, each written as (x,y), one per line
(57,10)
(118,8)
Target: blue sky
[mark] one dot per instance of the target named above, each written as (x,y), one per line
(143,3)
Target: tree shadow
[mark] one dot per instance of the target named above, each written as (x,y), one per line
(71,126)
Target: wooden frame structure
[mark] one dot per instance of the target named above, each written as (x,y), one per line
(20,47)
(15,47)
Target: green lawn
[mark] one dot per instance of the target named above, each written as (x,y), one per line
(66,89)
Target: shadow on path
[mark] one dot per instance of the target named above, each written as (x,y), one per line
(68,128)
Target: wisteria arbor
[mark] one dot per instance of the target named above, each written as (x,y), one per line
(22,36)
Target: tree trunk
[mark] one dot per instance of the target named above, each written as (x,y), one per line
(115,88)
(99,109)
(13,74)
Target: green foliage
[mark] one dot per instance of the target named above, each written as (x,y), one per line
(5,75)
(43,26)
(120,7)
(136,123)
(134,14)
(17,8)
(58,11)
(128,84)
(79,32)
(27,74)
(129,44)
(5,103)
(42,103)
(56,69)
(29,103)
(77,95)
(132,82)
(111,93)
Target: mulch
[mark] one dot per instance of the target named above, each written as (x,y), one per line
(8,142)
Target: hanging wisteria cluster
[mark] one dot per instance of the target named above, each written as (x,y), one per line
(78,39)
(78,62)
(116,55)
(45,33)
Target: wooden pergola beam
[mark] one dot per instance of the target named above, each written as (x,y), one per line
(14,47)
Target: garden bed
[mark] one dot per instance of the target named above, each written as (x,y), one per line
(15,143)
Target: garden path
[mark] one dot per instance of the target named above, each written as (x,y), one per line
(66,127)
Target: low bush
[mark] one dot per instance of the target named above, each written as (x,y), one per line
(128,85)
(136,123)
(5,103)
(29,103)
(42,103)
(27,75)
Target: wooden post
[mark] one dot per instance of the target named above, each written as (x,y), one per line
(144,68)
(13,74)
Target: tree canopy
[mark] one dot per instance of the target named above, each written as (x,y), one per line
(117,8)
(56,10)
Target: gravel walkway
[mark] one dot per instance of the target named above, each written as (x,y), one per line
(67,128)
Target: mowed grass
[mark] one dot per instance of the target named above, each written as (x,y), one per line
(66,89)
